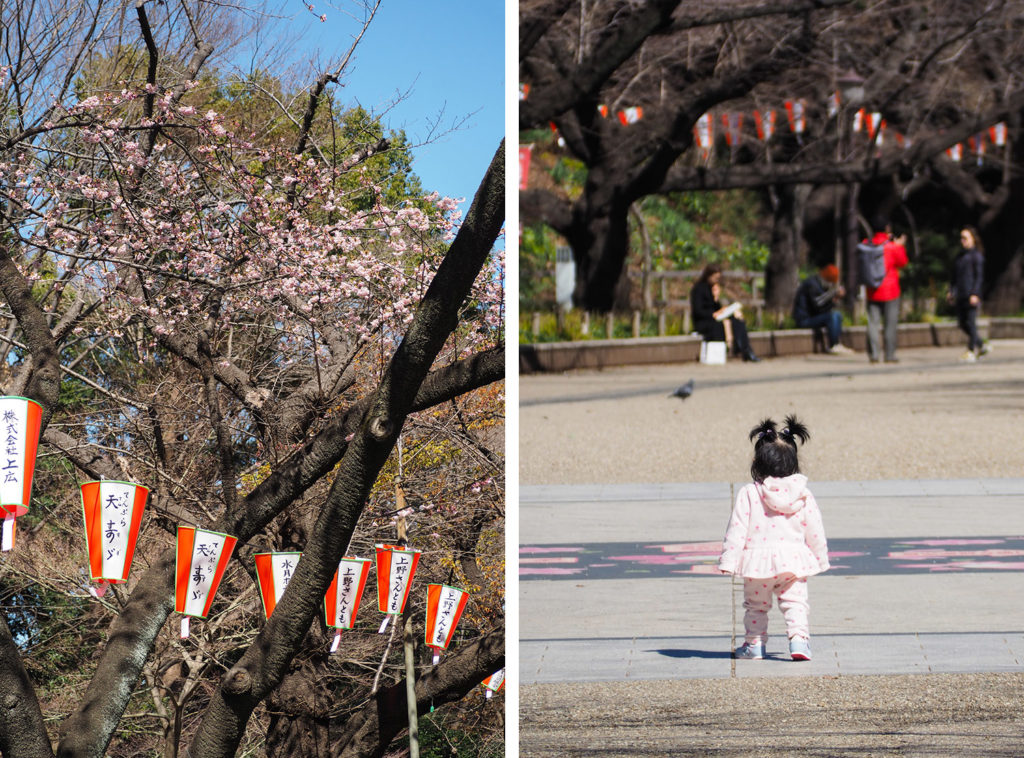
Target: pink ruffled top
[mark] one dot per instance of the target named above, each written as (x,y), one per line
(775,528)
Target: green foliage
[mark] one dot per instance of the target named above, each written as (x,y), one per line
(39,617)
(390,171)
(537,268)
(928,272)
(570,327)
(570,174)
(691,229)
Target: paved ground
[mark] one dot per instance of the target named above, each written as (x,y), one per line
(918,635)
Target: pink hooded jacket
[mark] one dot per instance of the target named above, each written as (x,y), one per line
(775,528)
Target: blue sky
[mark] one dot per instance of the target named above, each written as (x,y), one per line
(450,54)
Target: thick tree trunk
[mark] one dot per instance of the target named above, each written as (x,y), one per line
(600,244)
(1005,296)
(782,273)
(1002,229)
(300,713)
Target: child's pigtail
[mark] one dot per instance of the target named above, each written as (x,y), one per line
(794,429)
(763,432)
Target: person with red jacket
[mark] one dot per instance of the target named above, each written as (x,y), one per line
(884,300)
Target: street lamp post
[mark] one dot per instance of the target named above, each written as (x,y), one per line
(851,93)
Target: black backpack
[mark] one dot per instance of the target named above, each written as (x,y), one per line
(871,260)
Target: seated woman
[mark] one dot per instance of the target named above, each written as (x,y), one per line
(710,319)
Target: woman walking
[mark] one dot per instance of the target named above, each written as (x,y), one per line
(965,290)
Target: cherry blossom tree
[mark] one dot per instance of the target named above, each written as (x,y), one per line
(252,323)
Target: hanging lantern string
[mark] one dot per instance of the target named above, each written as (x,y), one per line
(403,540)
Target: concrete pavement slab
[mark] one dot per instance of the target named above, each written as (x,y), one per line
(662,658)
(939,508)
(960,522)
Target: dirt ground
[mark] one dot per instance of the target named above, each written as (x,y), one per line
(936,715)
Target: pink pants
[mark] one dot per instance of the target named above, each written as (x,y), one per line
(757,600)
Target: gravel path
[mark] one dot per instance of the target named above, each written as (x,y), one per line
(928,416)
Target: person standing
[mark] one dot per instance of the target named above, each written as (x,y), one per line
(884,298)
(965,290)
(814,307)
(775,540)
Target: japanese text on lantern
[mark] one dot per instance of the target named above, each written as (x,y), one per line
(341,603)
(449,608)
(345,595)
(400,565)
(445,613)
(11,446)
(116,518)
(205,555)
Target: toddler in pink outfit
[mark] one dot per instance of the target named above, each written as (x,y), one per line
(775,540)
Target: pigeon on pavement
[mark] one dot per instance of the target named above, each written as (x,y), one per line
(684,391)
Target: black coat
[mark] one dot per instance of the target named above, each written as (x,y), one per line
(813,298)
(702,308)
(968,274)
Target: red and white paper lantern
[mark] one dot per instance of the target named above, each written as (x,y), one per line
(202,558)
(977,146)
(525,154)
(395,567)
(341,603)
(858,120)
(704,133)
(273,572)
(875,125)
(113,514)
(9,528)
(494,683)
(631,115)
(21,418)
(765,123)
(444,608)
(733,125)
(795,112)
(998,134)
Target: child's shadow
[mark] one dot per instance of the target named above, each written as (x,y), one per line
(693,653)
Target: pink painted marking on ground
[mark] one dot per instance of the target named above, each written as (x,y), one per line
(540,550)
(840,554)
(923,555)
(662,560)
(552,559)
(550,571)
(1000,565)
(930,566)
(700,568)
(938,543)
(688,547)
